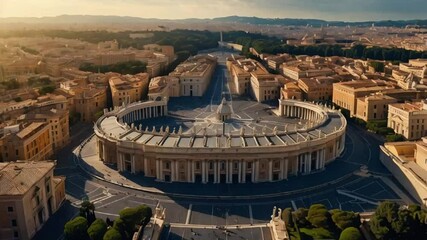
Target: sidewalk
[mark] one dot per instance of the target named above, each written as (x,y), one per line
(91,163)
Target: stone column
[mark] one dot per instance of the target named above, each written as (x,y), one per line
(253,171)
(204,171)
(132,162)
(307,160)
(285,176)
(189,172)
(216,172)
(243,171)
(270,170)
(240,171)
(227,171)
(158,170)
(173,170)
(193,171)
(256,170)
(146,166)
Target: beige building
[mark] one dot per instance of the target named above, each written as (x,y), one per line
(58,121)
(167,50)
(29,195)
(315,89)
(408,119)
(407,162)
(291,90)
(299,70)
(113,57)
(163,87)
(345,94)
(128,88)
(29,142)
(90,101)
(250,77)
(373,107)
(195,74)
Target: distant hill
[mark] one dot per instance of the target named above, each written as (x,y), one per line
(316,22)
(94,19)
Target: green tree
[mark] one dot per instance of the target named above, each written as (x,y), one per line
(76,228)
(319,216)
(112,234)
(130,217)
(345,219)
(351,233)
(87,210)
(287,217)
(300,216)
(121,227)
(145,214)
(380,223)
(97,229)
(47,89)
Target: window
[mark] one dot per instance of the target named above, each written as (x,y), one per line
(14,224)
(15,234)
(375,106)
(249,165)
(10,209)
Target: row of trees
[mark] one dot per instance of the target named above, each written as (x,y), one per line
(317,222)
(265,44)
(181,40)
(130,67)
(86,226)
(392,221)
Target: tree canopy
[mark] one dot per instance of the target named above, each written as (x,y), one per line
(97,229)
(76,229)
(351,233)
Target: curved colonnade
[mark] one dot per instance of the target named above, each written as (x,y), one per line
(190,156)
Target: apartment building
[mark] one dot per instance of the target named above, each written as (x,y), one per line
(58,121)
(373,107)
(345,94)
(195,74)
(163,87)
(408,119)
(318,88)
(291,90)
(29,142)
(29,195)
(250,77)
(88,101)
(128,88)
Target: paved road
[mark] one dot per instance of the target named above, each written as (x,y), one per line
(198,217)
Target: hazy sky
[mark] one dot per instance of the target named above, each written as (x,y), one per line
(349,10)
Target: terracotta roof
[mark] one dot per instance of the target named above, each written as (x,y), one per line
(16,178)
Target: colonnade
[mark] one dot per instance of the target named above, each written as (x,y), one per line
(311,161)
(299,112)
(225,171)
(145,113)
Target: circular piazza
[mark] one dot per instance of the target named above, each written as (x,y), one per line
(220,138)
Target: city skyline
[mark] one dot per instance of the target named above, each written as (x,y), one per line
(346,10)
